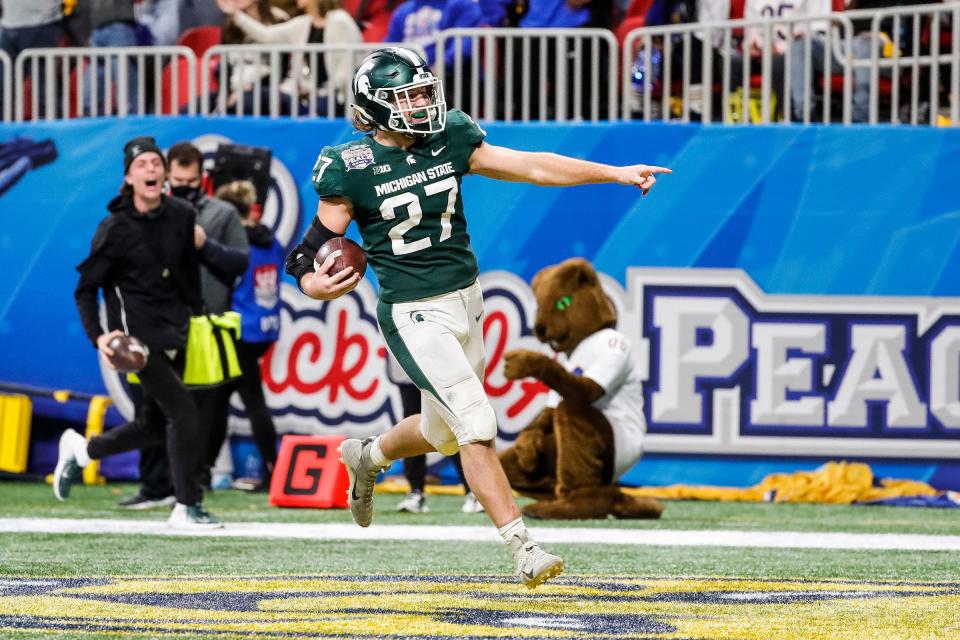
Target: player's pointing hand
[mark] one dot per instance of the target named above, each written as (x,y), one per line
(641,175)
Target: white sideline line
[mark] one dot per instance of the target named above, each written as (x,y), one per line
(654,537)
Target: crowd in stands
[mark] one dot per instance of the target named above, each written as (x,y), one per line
(200,23)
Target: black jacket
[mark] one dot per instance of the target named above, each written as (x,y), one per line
(148,269)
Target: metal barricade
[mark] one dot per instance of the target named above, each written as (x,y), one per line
(279,80)
(6,82)
(96,81)
(660,79)
(914,65)
(530,74)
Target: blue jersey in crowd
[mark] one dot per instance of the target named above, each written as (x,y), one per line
(257,296)
(420,21)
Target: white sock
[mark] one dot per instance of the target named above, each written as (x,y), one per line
(82,457)
(376,455)
(515,528)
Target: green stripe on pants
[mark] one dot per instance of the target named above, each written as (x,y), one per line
(399,348)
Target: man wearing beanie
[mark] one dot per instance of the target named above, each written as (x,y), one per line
(224,256)
(143,259)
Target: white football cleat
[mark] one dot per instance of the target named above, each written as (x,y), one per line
(71,459)
(534,565)
(193,517)
(355,456)
(414,502)
(471,504)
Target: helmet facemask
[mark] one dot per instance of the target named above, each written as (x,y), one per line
(417,108)
(408,113)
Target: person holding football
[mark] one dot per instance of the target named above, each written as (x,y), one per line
(401,185)
(144,259)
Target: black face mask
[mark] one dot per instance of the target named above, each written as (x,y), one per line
(191,194)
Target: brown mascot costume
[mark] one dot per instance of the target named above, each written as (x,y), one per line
(590,432)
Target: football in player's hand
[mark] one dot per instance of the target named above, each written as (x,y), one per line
(345,252)
(129,354)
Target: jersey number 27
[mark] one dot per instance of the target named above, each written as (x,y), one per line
(415,211)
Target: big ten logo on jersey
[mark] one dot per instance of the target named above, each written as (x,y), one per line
(327,372)
(283,209)
(732,366)
(509,315)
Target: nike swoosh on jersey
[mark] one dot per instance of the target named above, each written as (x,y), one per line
(436,152)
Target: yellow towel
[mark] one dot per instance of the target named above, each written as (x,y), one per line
(832,483)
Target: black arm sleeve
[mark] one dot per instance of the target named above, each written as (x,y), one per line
(228,262)
(94,273)
(300,260)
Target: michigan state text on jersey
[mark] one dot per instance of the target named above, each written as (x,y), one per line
(408,207)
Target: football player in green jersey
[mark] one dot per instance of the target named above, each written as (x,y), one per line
(401,185)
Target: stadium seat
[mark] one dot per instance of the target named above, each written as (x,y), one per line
(183,85)
(628,25)
(199,39)
(637,9)
(27,98)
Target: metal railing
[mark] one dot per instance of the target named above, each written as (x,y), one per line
(530,74)
(904,69)
(93,81)
(681,71)
(275,80)
(922,59)
(6,84)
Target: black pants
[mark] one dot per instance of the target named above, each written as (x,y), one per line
(166,414)
(415,468)
(213,407)
(251,392)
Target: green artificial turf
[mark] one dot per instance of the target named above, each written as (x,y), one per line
(85,555)
(54,555)
(35,500)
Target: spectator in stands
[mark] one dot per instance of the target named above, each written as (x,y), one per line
(593,61)
(324,22)
(29,24)
(203,13)
(753,45)
(143,259)
(502,13)
(113,25)
(565,14)
(162,18)
(257,299)
(419,22)
(247,71)
(670,12)
(289,7)
(862,49)
(373,16)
